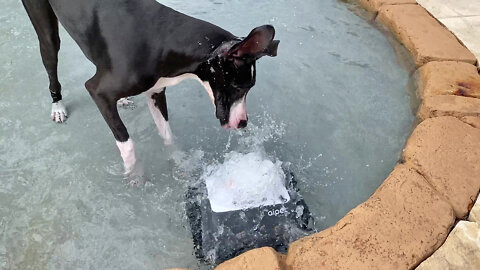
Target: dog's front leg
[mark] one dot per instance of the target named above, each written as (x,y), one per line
(133,168)
(107,105)
(157,103)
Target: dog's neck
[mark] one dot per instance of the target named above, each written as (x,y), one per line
(186,54)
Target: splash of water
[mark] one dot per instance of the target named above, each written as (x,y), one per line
(245,181)
(262,129)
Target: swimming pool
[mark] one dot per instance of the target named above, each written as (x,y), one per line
(332,106)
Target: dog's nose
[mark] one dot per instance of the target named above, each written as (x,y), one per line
(242,124)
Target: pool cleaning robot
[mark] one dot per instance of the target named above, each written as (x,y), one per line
(234,210)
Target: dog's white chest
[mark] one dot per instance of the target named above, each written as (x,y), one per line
(166,82)
(171,81)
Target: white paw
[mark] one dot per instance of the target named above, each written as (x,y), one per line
(126,102)
(59,112)
(127,152)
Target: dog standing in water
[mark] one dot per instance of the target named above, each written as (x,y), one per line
(141,46)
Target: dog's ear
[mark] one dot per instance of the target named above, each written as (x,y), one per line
(257,44)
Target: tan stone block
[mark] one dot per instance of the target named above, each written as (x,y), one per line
(461,251)
(425,38)
(374,5)
(401,224)
(265,258)
(475,213)
(449,78)
(472,121)
(446,151)
(462,17)
(435,106)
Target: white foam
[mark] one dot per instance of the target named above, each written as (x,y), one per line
(245,181)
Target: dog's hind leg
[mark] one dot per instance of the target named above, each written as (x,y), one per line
(157,102)
(46,26)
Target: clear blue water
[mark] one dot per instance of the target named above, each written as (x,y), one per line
(333,105)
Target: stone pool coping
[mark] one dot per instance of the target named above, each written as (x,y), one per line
(437,179)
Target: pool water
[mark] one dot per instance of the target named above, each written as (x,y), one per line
(332,106)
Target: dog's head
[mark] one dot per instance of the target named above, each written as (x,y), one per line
(231,73)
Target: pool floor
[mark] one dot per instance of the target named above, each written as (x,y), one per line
(332,106)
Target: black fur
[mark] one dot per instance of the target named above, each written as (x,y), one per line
(133,43)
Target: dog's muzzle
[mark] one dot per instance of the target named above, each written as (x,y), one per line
(238,115)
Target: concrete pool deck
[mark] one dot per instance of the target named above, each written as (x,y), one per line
(462,17)
(433,188)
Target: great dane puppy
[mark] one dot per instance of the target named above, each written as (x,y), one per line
(142,46)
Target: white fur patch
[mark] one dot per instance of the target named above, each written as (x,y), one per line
(238,112)
(59,112)
(166,82)
(162,125)
(127,151)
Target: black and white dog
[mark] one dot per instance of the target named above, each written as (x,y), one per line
(142,46)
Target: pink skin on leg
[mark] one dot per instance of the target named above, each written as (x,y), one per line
(238,112)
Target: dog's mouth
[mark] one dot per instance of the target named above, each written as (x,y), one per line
(238,115)
(240,125)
